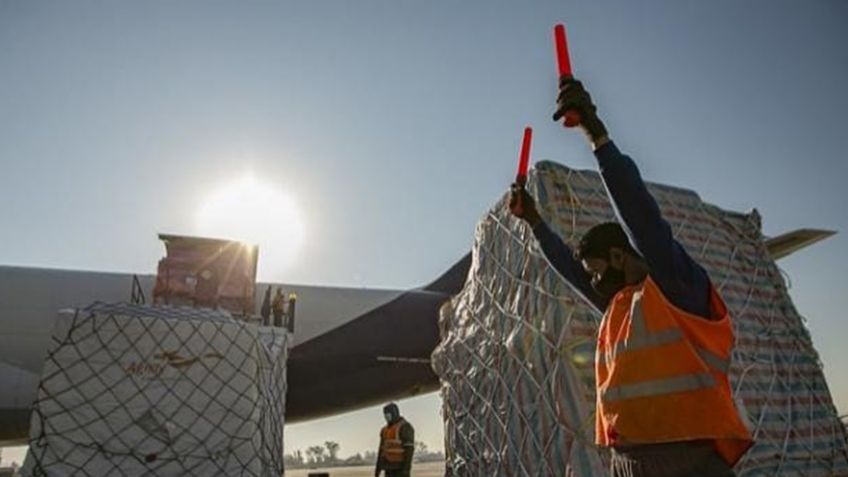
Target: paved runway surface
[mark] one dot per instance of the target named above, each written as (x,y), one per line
(433,469)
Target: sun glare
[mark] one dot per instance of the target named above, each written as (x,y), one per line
(256,213)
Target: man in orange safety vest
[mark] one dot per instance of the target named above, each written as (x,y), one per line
(397,444)
(664,404)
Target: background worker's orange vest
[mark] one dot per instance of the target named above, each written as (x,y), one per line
(661,374)
(392,448)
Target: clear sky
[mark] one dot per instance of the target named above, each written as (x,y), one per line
(393,126)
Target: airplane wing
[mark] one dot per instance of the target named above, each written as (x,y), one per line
(788,243)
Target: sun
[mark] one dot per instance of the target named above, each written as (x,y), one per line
(256,213)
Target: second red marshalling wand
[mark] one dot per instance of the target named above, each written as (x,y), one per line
(572,118)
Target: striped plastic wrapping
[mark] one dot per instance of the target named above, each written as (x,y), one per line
(517,352)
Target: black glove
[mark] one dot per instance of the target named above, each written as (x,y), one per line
(523,206)
(573,97)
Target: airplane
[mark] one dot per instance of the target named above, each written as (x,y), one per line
(352,347)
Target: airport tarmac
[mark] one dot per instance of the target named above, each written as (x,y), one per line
(430,469)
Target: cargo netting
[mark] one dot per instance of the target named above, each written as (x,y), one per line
(516,360)
(132,390)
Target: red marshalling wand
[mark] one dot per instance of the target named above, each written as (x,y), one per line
(572,118)
(524,158)
(523,166)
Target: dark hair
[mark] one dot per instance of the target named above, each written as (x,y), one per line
(597,242)
(391,408)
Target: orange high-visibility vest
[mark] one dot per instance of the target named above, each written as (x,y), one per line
(661,374)
(392,448)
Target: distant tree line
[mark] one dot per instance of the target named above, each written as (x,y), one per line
(328,456)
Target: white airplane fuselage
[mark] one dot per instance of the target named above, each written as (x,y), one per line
(339,334)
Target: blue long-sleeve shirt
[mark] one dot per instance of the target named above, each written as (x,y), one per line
(682,280)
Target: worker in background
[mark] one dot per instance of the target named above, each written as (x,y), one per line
(278,307)
(265,310)
(397,444)
(664,404)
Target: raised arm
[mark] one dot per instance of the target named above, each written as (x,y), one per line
(682,280)
(559,255)
(641,219)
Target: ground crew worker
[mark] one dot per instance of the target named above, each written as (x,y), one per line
(664,404)
(265,310)
(397,444)
(278,307)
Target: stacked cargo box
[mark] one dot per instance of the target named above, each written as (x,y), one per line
(206,272)
(517,353)
(150,390)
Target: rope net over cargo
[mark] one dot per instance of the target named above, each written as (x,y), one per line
(130,390)
(516,358)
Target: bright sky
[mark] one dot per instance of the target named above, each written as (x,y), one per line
(393,125)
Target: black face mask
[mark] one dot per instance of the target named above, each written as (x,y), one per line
(610,283)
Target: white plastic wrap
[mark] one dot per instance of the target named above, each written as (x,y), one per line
(517,353)
(133,390)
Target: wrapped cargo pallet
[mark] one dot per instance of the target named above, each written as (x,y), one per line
(516,358)
(132,390)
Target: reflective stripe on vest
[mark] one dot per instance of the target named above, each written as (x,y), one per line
(670,336)
(642,338)
(392,449)
(659,367)
(686,382)
(712,360)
